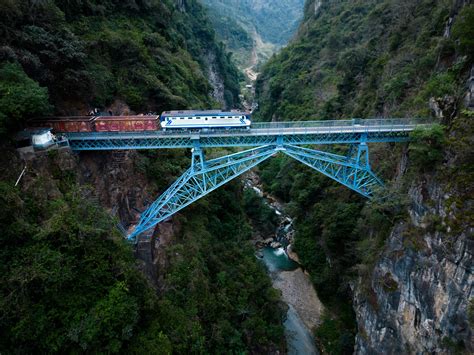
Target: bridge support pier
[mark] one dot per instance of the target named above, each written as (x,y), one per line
(352,170)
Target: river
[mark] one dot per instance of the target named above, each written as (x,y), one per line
(297,291)
(299,339)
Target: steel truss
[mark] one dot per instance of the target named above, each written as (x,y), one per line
(116,141)
(352,170)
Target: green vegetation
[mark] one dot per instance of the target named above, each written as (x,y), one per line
(426,147)
(236,38)
(326,218)
(68,278)
(463,31)
(150,55)
(19,96)
(69,281)
(275,22)
(263,216)
(218,298)
(329,334)
(64,264)
(244,25)
(364,59)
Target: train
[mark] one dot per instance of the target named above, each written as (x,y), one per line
(168,120)
(209,119)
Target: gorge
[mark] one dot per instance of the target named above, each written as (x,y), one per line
(393,274)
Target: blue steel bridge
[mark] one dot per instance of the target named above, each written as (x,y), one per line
(262,141)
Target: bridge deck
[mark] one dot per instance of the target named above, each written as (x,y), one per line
(294,133)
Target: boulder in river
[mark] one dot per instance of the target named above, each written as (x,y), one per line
(275,245)
(268,241)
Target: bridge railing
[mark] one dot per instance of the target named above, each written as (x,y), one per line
(275,128)
(355,122)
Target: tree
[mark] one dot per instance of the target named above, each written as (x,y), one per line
(20,97)
(463,30)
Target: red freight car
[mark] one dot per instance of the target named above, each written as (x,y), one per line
(126,123)
(65,124)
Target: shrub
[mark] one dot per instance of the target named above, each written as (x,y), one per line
(426,147)
(20,97)
(463,30)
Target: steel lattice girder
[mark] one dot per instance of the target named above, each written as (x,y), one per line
(353,172)
(203,176)
(107,141)
(200,179)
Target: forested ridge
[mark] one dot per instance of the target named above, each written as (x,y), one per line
(240,24)
(384,58)
(276,21)
(152,55)
(70,282)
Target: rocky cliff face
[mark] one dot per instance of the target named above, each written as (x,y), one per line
(421,286)
(419,298)
(125,192)
(215,79)
(118,184)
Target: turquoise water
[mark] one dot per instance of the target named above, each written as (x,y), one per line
(277,260)
(299,339)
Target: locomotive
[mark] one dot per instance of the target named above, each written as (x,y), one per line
(175,120)
(209,119)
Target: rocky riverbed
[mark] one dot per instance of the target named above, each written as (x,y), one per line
(304,307)
(298,291)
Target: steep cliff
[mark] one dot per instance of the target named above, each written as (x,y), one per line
(69,279)
(406,258)
(253,30)
(150,55)
(418,298)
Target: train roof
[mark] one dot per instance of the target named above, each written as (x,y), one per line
(135,117)
(204,112)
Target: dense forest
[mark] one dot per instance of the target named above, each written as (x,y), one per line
(254,27)
(149,56)
(393,272)
(275,21)
(70,282)
(390,58)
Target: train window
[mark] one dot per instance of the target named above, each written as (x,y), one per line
(214,117)
(182,118)
(206,118)
(198,118)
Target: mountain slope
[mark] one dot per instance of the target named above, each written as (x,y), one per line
(150,55)
(376,58)
(383,58)
(69,282)
(264,25)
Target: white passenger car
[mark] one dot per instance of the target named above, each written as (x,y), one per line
(205,119)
